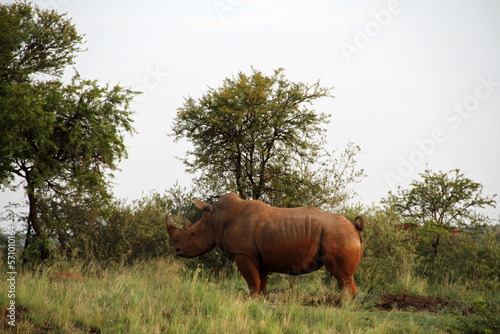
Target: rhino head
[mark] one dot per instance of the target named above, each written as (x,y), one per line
(194,239)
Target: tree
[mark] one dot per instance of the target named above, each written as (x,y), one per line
(441,202)
(34,42)
(327,184)
(55,136)
(256,136)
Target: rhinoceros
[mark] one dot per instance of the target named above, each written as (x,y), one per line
(266,239)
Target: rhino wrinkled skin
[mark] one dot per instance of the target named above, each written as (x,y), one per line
(266,239)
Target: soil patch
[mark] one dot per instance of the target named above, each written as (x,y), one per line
(389,302)
(413,303)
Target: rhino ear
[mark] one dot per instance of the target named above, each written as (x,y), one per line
(203,205)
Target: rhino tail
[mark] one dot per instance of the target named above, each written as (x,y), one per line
(360,226)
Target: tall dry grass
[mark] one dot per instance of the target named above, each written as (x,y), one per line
(162,296)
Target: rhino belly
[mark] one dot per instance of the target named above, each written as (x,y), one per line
(292,258)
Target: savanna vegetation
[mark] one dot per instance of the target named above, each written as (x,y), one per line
(87,262)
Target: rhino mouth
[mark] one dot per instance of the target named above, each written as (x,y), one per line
(180,252)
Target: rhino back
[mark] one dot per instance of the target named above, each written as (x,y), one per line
(286,240)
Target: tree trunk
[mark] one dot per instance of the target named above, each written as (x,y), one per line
(436,246)
(28,234)
(27,240)
(238,174)
(35,223)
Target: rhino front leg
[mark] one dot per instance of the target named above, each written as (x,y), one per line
(249,268)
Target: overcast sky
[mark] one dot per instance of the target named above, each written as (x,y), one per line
(416,83)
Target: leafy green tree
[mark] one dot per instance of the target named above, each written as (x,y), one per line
(327,185)
(34,42)
(441,202)
(257,136)
(59,137)
(73,222)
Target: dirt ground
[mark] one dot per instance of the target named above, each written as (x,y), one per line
(389,302)
(413,303)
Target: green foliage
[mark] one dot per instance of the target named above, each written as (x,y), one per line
(56,137)
(59,134)
(466,258)
(72,221)
(34,41)
(179,202)
(135,232)
(453,243)
(478,316)
(328,186)
(440,202)
(91,228)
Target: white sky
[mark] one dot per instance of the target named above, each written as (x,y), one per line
(416,82)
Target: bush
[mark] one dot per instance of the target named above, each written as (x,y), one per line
(134,232)
(105,230)
(479,316)
(468,257)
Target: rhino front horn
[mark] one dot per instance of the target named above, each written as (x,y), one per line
(170,227)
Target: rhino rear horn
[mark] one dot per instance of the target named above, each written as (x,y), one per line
(187,224)
(203,205)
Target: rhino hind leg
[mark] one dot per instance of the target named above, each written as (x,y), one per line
(263,282)
(344,273)
(345,281)
(249,269)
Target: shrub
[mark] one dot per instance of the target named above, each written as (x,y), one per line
(469,257)
(479,316)
(134,232)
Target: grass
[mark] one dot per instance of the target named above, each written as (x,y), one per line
(161,296)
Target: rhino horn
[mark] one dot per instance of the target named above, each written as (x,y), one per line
(203,205)
(172,230)
(187,224)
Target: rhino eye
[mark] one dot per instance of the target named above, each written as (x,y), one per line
(192,233)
